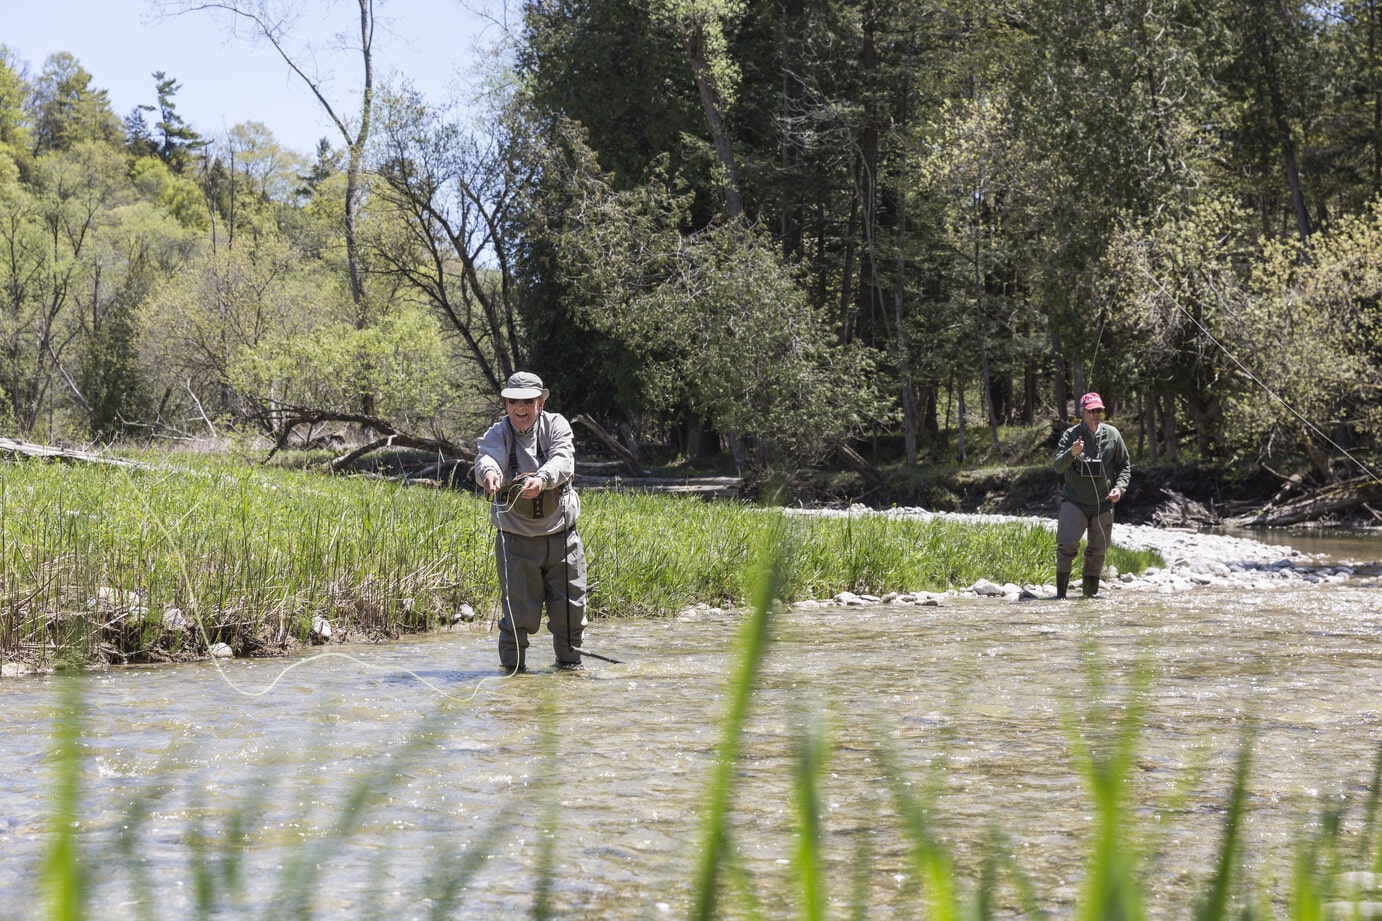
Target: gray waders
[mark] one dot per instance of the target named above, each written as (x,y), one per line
(548,570)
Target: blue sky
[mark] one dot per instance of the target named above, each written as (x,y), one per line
(229,79)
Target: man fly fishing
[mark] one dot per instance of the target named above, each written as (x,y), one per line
(1095,462)
(526,462)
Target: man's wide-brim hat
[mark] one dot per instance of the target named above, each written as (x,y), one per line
(1091,400)
(524,386)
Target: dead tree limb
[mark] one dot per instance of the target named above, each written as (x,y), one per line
(852,458)
(626,457)
(288,418)
(1329,500)
(47,452)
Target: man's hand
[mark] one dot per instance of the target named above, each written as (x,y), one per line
(491,483)
(1115,494)
(532,487)
(1077,448)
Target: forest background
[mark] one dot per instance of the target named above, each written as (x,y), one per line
(763,232)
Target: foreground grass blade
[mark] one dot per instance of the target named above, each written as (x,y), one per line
(63,878)
(811,758)
(752,646)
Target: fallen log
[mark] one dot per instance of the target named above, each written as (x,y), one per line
(1328,500)
(723,487)
(48,452)
(289,418)
(853,459)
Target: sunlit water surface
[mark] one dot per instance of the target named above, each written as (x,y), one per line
(975,696)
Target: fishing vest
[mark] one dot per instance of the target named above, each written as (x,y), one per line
(531,508)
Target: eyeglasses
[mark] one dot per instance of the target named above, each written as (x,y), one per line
(528,402)
(1096,412)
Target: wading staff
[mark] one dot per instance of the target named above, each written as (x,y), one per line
(595,655)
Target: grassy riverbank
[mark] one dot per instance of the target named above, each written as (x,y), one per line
(160,562)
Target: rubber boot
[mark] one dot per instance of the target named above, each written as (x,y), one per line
(513,654)
(1062,584)
(1091,586)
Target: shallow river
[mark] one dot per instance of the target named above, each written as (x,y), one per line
(974,696)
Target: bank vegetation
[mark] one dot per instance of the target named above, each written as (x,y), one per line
(164,559)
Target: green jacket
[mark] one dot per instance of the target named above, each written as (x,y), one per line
(1106,465)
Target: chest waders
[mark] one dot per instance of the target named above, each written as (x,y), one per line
(538,511)
(1091,467)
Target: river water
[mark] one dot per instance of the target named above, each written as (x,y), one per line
(601,775)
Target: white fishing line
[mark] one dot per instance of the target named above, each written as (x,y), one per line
(282,673)
(1254,378)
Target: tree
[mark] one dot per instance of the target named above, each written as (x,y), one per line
(196,326)
(14,124)
(63,270)
(609,67)
(719,326)
(179,142)
(701,27)
(271,22)
(453,191)
(68,109)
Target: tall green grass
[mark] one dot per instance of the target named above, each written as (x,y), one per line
(92,559)
(1104,725)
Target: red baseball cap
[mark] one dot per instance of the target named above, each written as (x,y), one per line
(1091,400)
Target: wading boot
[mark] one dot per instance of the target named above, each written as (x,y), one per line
(1091,586)
(1062,584)
(512,656)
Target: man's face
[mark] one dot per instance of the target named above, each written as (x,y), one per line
(523,413)
(1092,418)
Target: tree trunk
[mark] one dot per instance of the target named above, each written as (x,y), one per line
(1168,427)
(693,36)
(1060,393)
(960,422)
(1267,57)
(909,410)
(626,458)
(1149,425)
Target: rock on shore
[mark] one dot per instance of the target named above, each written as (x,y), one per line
(1193,560)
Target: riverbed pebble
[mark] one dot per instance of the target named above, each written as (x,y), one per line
(1193,560)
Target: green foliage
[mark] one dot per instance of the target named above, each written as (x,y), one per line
(174,194)
(14,130)
(208,537)
(716,321)
(1287,342)
(401,360)
(65,874)
(220,306)
(69,109)
(1009,202)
